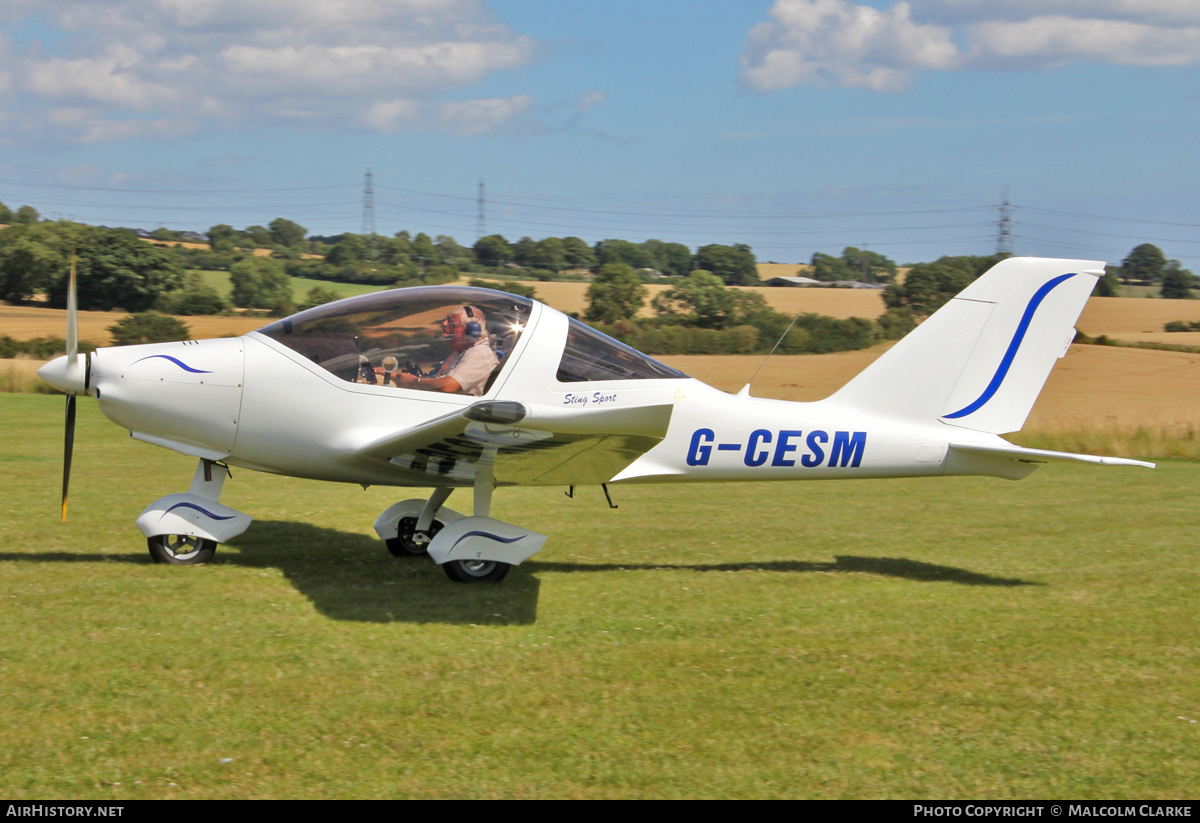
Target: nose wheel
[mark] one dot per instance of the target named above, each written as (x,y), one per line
(476,571)
(181,549)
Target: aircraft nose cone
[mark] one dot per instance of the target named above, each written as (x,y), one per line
(64,373)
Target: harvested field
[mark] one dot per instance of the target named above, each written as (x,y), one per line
(26,322)
(1183,338)
(1093,386)
(768,270)
(802,377)
(1122,316)
(174,244)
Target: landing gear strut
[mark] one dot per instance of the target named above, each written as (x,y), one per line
(475,549)
(409,542)
(184,529)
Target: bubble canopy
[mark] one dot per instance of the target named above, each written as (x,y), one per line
(387,338)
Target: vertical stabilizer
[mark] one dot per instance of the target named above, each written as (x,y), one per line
(980,361)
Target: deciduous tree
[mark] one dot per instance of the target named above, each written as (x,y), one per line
(27,264)
(702,299)
(579,254)
(617,293)
(116,270)
(1177,281)
(287,233)
(492,250)
(735,264)
(260,283)
(148,327)
(929,286)
(1145,263)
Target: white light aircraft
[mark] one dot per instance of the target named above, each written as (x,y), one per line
(499,390)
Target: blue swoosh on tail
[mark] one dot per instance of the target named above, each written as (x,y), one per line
(495,537)
(206,512)
(174,360)
(1013,345)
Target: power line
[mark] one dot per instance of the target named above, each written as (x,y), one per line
(326,204)
(1103,217)
(1107,234)
(599,227)
(169,191)
(480,221)
(703,215)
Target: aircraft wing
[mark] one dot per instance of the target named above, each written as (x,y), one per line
(1043,456)
(526,444)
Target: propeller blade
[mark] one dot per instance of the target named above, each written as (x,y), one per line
(72,359)
(68,447)
(72,314)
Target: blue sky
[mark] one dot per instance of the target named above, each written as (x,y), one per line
(792,125)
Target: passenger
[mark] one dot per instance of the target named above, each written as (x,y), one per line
(466,371)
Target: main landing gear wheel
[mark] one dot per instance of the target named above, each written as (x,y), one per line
(476,571)
(181,549)
(406,543)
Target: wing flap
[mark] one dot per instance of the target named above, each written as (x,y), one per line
(527,444)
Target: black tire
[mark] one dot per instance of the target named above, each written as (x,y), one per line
(181,549)
(476,571)
(403,544)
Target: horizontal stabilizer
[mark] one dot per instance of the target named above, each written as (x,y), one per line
(1042,455)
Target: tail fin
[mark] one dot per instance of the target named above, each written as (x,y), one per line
(980,361)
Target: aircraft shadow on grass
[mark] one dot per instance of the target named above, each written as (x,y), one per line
(349,576)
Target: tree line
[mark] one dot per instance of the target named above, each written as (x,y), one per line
(699,312)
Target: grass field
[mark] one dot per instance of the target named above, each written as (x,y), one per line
(924,639)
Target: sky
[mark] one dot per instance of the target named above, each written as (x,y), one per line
(794,126)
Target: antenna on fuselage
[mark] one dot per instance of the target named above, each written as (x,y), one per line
(745,392)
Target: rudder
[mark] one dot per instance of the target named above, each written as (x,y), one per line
(981,360)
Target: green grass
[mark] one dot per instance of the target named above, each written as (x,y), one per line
(921,639)
(219,280)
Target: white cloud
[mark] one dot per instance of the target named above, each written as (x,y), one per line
(467,118)
(1051,41)
(6,78)
(966,12)
(834,42)
(591,98)
(245,61)
(91,125)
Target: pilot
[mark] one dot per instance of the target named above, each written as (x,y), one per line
(466,370)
